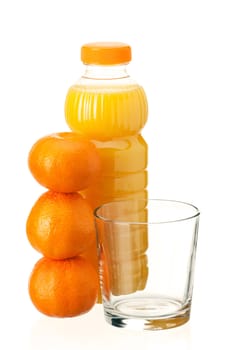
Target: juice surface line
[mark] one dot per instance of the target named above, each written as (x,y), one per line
(110,108)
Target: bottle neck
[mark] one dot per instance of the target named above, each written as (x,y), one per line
(100,72)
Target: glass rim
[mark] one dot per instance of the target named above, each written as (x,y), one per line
(118,221)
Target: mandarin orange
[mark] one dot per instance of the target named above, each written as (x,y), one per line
(61,225)
(64,162)
(63,288)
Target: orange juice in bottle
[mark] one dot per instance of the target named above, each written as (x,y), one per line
(110,108)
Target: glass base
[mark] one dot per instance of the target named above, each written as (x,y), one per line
(147,313)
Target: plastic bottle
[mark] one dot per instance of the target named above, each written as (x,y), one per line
(110,108)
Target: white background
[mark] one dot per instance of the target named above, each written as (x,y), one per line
(182,55)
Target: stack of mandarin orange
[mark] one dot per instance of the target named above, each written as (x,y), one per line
(60,225)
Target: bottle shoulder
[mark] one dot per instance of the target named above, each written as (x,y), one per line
(125,83)
(105,87)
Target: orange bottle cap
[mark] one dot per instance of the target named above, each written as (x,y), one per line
(105,53)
